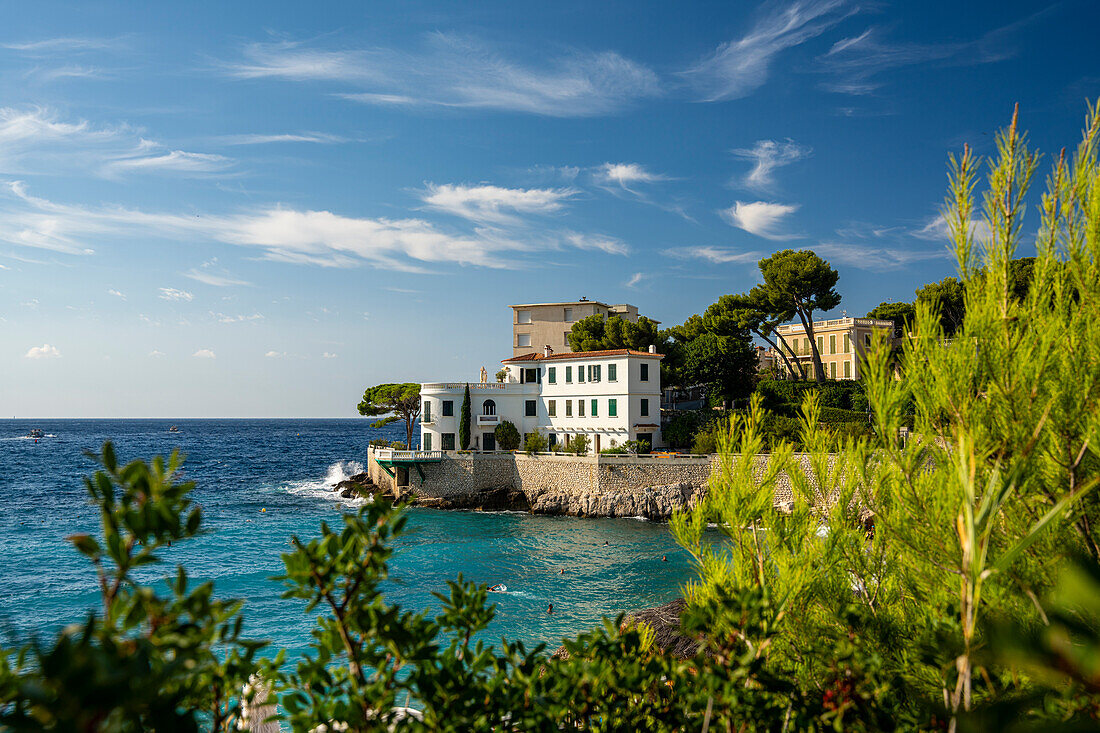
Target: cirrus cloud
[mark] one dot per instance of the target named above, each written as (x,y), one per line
(204,354)
(452,71)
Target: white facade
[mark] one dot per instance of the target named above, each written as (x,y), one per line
(610,396)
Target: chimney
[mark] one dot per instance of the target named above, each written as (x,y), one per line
(652,349)
(547,351)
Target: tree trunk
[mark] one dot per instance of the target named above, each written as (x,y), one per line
(774,345)
(807,323)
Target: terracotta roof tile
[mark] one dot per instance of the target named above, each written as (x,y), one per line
(535,356)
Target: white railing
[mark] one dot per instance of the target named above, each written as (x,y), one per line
(392,454)
(474,386)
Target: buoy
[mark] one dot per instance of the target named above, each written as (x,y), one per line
(264,509)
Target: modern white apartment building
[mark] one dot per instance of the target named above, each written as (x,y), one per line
(841,343)
(610,396)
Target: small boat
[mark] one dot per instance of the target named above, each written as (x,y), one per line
(36,433)
(498,588)
(173,429)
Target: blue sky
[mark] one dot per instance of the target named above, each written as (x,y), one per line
(227,209)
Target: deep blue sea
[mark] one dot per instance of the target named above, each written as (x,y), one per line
(288,467)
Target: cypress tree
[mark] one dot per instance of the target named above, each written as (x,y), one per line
(464,423)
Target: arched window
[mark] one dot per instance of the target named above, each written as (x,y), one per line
(488,408)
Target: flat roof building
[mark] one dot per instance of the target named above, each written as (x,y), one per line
(841,342)
(609,396)
(536,325)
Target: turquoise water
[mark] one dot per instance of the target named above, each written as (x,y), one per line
(287,467)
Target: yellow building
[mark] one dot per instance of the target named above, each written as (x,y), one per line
(538,325)
(841,342)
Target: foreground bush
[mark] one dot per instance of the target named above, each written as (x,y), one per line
(948,581)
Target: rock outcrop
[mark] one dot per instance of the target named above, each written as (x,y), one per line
(358,486)
(487,500)
(650,502)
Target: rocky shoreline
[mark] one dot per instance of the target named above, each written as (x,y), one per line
(653,502)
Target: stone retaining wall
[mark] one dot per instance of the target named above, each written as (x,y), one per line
(604,485)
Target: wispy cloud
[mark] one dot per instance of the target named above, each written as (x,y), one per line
(223,318)
(761,218)
(156,354)
(876,258)
(626,174)
(174,160)
(608,245)
(855,64)
(328,355)
(717,255)
(637,279)
(39,140)
(275,354)
(210,273)
(300,137)
(204,354)
(767,155)
(69,71)
(739,67)
(935,230)
(45,351)
(61,43)
(116,293)
(453,71)
(176,295)
(288,235)
(485,203)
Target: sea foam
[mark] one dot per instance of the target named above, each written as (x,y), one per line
(322,489)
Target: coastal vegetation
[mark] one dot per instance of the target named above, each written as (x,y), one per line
(464,420)
(507,435)
(396,403)
(949,580)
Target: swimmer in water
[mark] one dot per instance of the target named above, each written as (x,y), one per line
(562,572)
(664,558)
(606,543)
(550,609)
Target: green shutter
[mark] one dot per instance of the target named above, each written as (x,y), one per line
(552,375)
(612,404)
(611,372)
(595,409)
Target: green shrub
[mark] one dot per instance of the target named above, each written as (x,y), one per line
(831,415)
(507,436)
(637,447)
(534,442)
(704,443)
(680,430)
(578,445)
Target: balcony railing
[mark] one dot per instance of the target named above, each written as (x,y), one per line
(474,386)
(483,420)
(391,454)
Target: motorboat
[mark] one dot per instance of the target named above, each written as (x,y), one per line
(36,433)
(173,429)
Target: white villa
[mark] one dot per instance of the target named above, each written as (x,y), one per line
(610,396)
